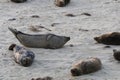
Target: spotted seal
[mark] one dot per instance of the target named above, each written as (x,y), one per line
(21,55)
(61,3)
(109,38)
(18,1)
(50,41)
(86,66)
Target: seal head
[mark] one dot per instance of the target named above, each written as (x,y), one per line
(26,61)
(75,72)
(61,3)
(109,38)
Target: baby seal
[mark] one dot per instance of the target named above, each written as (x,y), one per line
(18,1)
(86,66)
(50,41)
(21,55)
(109,39)
(116,54)
(61,3)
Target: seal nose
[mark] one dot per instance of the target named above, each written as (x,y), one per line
(27,61)
(67,38)
(96,38)
(75,72)
(61,3)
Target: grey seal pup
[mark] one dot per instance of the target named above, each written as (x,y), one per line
(112,38)
(21,55)
(86,66)
(61,3)
(116,54)
(50,41)
(18,1)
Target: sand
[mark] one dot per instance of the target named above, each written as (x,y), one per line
(81,28)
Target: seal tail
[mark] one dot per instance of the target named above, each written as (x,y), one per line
(14,31)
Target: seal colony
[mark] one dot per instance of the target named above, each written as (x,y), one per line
(109,38)
(50,41)
(18,1)
(61,3)
(86,66)
(21,55)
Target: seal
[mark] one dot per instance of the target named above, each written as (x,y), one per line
(44,78)
(86,66)
(21,55)
(61,3)
(49,41)
(109,38)
(116,54)
(18,1)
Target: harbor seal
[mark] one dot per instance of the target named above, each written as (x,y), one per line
(18,1)
(116,54)
(50,41)
(86,66)
(21,55)
(61,3)
(109,39)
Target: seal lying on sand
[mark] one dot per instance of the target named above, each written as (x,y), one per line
(109,39)
(50,41)
(61,3)
(86,66)
(116,54)
(18,1)
(21,55)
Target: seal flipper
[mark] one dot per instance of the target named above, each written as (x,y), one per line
(11,47)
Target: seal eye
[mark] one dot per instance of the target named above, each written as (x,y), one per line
(26,61)
(75,72)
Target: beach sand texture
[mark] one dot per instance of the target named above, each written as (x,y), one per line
(81,28)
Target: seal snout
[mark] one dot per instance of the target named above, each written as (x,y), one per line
(67,38)
(75,72)
(61,4)
(12,46)
(96,38)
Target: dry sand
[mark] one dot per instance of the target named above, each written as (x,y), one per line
(81,29)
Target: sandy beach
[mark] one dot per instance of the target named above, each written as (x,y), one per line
(81,28)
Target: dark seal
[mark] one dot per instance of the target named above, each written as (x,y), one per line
(61,3)
(109,39)
(18,1)
(50,41)
(44,78)
(86,66)
(21,55)
(116,54)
